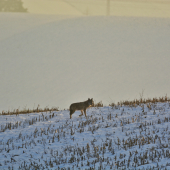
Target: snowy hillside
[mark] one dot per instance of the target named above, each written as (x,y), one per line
(135,136)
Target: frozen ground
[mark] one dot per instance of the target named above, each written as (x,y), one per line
(55,61)
(118,137)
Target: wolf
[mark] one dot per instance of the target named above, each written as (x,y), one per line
(82,106)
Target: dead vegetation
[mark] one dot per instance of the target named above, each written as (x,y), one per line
(137,102)
(26,111)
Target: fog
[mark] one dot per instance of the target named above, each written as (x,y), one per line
(55,60)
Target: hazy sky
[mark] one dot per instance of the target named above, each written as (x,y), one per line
(54,61)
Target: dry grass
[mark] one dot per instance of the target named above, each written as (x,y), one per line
(26,111)
(99,104)
(137,102)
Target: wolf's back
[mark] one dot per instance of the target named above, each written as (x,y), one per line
(77,106)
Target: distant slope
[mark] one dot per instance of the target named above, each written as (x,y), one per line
(126,8)
(48,60)
(129,137)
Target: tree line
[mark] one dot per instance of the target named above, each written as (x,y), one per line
(12,6)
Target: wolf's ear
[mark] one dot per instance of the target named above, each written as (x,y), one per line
(88,98)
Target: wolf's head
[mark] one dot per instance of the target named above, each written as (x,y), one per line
(90,101)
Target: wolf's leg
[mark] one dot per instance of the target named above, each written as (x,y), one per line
(85,112)
(71,112)
(81,113)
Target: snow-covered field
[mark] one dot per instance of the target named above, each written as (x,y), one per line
(117,137)
(57,60)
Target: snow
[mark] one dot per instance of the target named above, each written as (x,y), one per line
(126,137)
(50,60)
